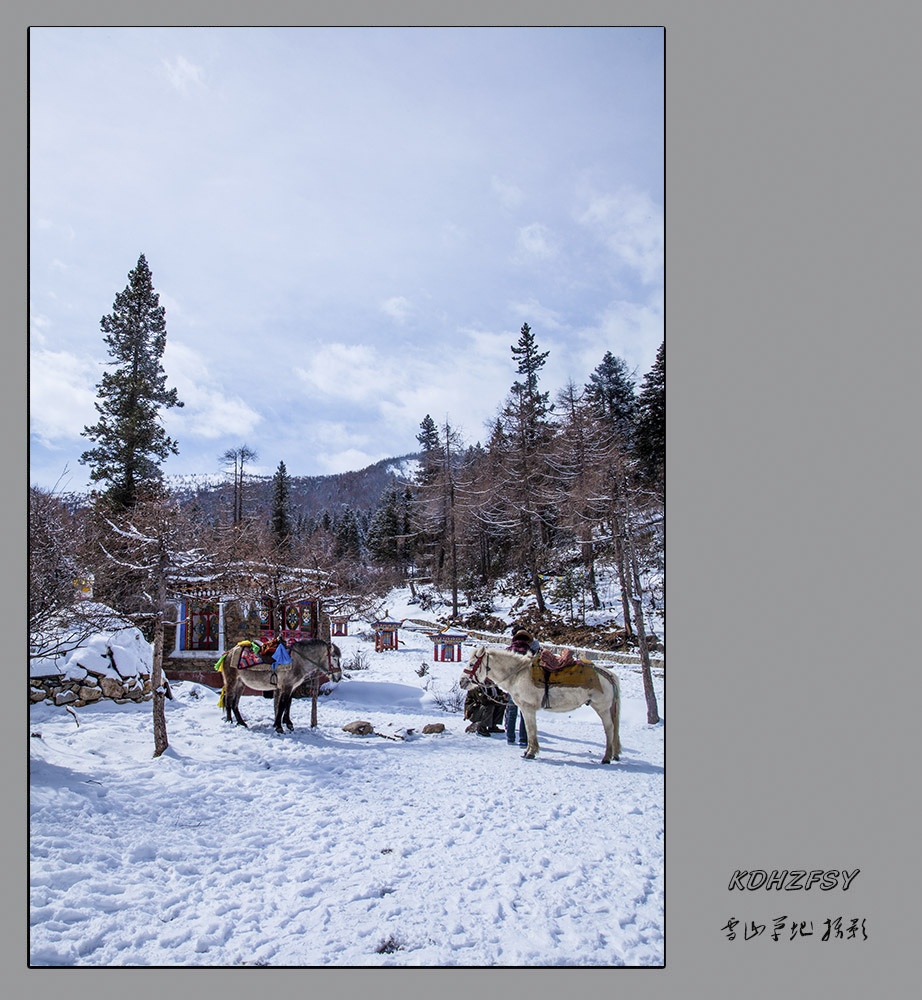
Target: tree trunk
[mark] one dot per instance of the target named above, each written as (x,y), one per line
(637,599)
(623,580)
(315,690)
(159,692)
(589,563)
(454,571)
(536,581)
(646,671)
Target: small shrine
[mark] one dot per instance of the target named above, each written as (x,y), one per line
(340,624)
(386,633)
(447,644)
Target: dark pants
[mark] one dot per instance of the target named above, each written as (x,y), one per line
(512,710)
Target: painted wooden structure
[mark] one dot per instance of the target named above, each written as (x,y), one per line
(339,624)
(212,617)
(447,644)
(386,633)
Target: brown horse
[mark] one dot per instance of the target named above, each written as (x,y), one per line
(309,658)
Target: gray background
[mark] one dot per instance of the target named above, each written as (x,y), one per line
(792,276)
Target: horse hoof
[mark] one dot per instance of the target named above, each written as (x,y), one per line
(528,755)
(290,728)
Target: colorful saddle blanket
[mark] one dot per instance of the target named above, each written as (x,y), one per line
(249,658)
(253,654)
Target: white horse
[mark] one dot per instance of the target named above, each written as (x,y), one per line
(513,673)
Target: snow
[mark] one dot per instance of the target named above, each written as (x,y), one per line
(406,468)
(318,848)
(132,653)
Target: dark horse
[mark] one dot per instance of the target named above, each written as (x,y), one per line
(309,657)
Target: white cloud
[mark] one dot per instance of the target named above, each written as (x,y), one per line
(630,223)
(39,325)
(630,330)
(535,314)
(509,193)
(398,308)
(395,391)
(349,460)
(209,411)
(62,390)
(537,241)
(181,73)
(346,371)
(452,236)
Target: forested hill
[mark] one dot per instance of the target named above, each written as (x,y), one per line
(310,495)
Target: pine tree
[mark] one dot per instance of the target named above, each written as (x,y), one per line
(650,442)
(386,528)
(611,392)
(534,405)
(526,421)
(430,460)
(281,506)
(348,539)
(130,441)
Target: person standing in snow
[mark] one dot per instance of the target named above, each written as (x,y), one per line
(524,644)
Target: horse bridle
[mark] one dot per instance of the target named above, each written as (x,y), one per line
(474,667)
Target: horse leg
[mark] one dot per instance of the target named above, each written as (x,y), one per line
(531,727)
(231,695)
(615,713)
(282,709)
(609,714)
(227,701)
(232,698)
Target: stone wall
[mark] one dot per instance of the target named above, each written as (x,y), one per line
(60,689)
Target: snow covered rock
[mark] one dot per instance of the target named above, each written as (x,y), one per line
(114,663)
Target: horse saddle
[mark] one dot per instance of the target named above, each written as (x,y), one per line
(252,654)
(563,671)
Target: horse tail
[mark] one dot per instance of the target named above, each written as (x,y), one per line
(616,687)
(227,662)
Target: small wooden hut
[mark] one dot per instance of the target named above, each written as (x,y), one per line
(386,633)
(447,644)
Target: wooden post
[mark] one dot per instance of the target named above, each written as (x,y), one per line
(315,688)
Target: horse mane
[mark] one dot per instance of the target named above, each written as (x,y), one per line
(310,642)
(526,658)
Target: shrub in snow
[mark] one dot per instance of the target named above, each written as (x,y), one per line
(359,661)
(448,701)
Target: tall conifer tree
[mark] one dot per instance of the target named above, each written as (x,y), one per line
(650,444)
(526,420)
(611,392)
(281,506)
(129,437)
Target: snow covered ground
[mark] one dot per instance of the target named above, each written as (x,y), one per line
(318,848)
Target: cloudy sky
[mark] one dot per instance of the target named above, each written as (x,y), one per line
(347,227)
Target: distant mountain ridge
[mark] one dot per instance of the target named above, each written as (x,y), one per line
(310,495)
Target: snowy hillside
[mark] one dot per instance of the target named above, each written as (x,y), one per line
(242,847)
